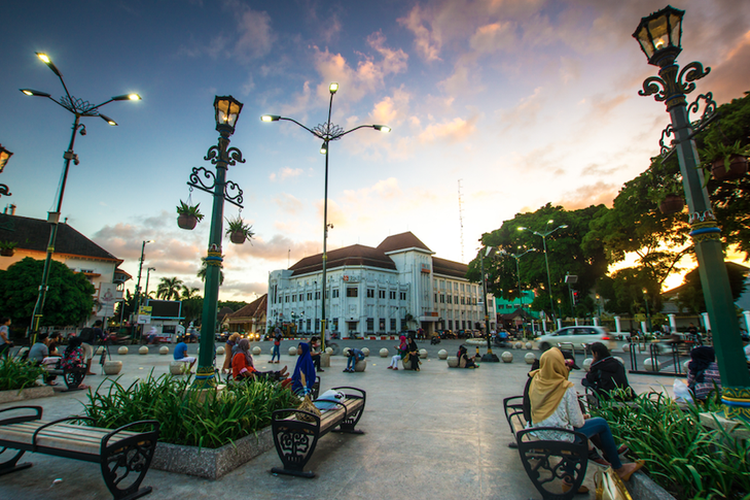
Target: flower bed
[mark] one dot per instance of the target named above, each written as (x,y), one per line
(682,456)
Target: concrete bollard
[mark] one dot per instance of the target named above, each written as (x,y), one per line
(177,367)
(529,345)
(292,351)
(530,357)
(257,350)
(325,360)
(112,367)
(99,350)
(519,345)
(587,364)
(443,354)
(360,366)
(164,350)
(220,350)
(366,352)
(143,350)
(384,352)
(423,354)
(453,361)
(651,365)
(122,350)
(507,357)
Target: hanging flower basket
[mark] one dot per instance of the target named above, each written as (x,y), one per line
(671,204)
(730,169)
(186,221)
(7,248)
(188,215)
(7,252)
(237,237)
(238,231)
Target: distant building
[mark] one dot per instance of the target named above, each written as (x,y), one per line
(74,250)
(399,285)
(250,318)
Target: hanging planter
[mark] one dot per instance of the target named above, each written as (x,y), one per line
(730,168)
(188,215)
(7,248)
(238,231)
(671,204)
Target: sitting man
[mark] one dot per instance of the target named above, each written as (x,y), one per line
(354,355)
(180,354)
(607,374)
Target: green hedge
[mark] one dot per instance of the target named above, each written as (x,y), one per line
(16,374)
(238,411)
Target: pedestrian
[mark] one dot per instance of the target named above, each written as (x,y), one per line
(400,353)
(412,351)
(39,354)
(276,346)
(180,354)
(5,343)
(88,340)
(315,353)
(228,356)
(353,357)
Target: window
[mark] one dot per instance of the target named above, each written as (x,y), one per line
(317,325)
(455,299)
(462,287)
(301,297)
(392,295)
(309,324)
(352,291)
(393,324)
(335,324)
(450,324)
(317,295)
(370,324)
(436,299)
(381,325)
(403,324)
(309,295)
(335,293)
(370,293)
(463,300)
(402,295)
(294,298)
(450,299)
(381,294)
(442,298)
(286,298)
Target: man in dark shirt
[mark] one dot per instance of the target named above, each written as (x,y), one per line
(606,374)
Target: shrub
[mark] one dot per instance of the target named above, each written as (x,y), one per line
(682,456)
(16,374)
(235,413)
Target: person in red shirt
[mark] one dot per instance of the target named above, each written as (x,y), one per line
(244,369)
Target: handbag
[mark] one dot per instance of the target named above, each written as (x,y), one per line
(609,486)
(308,406)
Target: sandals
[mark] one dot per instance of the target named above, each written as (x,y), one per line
(628,470)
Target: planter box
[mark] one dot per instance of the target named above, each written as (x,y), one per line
(30,393)
(211,463)
(641,487)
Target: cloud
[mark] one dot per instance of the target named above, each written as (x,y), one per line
(256,37)
(289,204)
(525,112)
(427,42)
(731,77)
(285,173)
(453,131)
(594,194)
(493,37)
(277,248)
(392,110)
(394,61)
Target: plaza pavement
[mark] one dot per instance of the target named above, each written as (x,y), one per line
(437,434)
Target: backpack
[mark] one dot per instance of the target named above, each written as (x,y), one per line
(87,335)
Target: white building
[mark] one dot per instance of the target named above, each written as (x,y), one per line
(397,286)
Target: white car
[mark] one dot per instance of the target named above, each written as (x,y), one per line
(576,335)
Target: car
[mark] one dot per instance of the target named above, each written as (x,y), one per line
(575,335)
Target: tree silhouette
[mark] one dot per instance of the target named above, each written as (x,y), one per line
(169,288)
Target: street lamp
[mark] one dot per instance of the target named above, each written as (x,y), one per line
(490,357)
(140,270)
(659,37)
(4,157)
(79,108)
(327,132)
(544,235)
(517,257)
(148,274)
(227,110)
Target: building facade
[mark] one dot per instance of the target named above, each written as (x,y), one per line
(397,286)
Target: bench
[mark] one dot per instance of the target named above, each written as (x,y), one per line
(72,376)
(547,461)
(124,455)
(295,439)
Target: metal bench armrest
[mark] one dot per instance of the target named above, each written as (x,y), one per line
(23,418)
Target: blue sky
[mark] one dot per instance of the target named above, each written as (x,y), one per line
(525,102)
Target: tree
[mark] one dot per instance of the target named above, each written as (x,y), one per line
(565,251)
(169,288)
(188,292)
(69,299)
(202,271)
(128,304)
(690,296)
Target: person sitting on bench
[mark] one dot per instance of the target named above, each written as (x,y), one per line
(607,374)
(303,378)
(74,358)
(243,368)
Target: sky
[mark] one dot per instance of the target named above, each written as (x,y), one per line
(505,105)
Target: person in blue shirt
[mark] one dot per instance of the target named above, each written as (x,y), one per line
(180,354)
(354,356)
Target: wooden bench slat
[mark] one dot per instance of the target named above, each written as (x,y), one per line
(80,439)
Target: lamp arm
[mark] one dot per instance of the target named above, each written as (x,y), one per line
(284,118)
(102,104)
(353,129)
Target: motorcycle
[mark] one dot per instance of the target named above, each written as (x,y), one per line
(435,340)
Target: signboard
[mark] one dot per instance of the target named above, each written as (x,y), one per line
(425,268)
(144,315)
(108,295)
(350,279)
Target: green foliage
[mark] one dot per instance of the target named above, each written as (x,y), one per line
(69,298)
(185,209)
(238,226)
(684,457)
(8,245)
(691,297)
(565,251)
(221,419)
(16,374)
(169,288)
(204,268)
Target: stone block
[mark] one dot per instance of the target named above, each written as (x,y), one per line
(178,367)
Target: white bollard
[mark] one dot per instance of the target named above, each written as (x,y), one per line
(143,350)
(220,350)
(587,364)
(507,357)
(122,350)
(651,365)
(423,353)
(384,352)
(530,358)
(443,354)
(366,352)
(292,351)
(529,345)
(164,350)
(257,350)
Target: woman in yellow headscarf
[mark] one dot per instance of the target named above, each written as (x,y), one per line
(554,403)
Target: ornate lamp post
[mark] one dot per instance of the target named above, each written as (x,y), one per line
(517,257)
(140,271)
(327,132)
(659,37)
(544,235)
(4,157)
(79,108)
(227,111)
(490,356)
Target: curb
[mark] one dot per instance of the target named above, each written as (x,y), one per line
(643,487)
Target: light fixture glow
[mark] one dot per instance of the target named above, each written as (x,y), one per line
(44,57)
(333,87)
(134,97)
(108,120)
(382,128)
(324,148)
(270,118)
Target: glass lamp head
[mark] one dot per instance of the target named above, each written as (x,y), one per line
(659,35)
(227,111)
(4,157)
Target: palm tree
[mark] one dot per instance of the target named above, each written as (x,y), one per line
(169,288)
(188,292)
(202,272)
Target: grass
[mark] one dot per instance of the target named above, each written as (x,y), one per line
(16,374)
(682,456)
(237,412)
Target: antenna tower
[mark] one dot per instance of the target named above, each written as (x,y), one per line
(461,220)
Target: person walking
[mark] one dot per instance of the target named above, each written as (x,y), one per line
(276,346)
(228,352)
